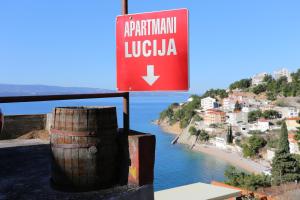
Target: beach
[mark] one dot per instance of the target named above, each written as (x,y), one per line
(233,158)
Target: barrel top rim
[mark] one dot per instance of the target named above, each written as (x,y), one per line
(84,107)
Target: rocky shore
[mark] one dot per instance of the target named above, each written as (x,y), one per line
(182,136)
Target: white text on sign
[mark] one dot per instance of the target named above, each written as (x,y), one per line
(147,48)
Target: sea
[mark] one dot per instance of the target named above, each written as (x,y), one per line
(175,165)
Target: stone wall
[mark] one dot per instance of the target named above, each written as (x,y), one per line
(18,125)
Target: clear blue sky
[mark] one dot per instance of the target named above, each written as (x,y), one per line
(72,42)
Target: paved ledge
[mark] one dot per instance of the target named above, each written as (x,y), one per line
(21,142)
(197,191)
(25,174)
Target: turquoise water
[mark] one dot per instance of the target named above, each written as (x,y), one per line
(175,165)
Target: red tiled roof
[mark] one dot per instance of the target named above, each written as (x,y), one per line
(215,111)
(293,118)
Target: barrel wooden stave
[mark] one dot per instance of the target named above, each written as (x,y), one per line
(81,167)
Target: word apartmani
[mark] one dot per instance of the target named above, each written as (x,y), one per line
(150,27)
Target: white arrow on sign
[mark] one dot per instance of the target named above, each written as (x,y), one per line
(150,78)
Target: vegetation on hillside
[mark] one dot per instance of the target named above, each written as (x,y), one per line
(169,112)
(252,145)
(241,84)
(215,93)
(183,114)
(285,167)
(271,87)
(282,87)
(247,181)
(201,134)
(268,114)
(193,130)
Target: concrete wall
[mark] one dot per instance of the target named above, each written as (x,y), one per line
(18,125)
(136,153)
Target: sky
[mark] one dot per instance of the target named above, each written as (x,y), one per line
(72,42)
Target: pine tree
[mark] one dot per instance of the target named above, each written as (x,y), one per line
(283,143)
(229,137)
(237,106)
(284,166)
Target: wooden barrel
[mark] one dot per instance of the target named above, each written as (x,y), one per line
(84,147)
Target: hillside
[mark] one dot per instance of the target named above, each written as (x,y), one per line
(23,90)
(281,90)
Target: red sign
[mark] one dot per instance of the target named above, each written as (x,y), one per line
(152,51)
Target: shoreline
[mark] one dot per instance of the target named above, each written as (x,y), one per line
(232,158)
(170,129)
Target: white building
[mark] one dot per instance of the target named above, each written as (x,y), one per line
(258,78)
(248,109)
(234,118)
(282,73)
(208,103)
(228,104)
(293,144)
(287,112)
(220,142)
(261,125)
(190,99)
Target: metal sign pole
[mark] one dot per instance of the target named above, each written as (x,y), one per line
(124,7)
(126,121)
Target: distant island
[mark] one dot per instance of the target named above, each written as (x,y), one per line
(26,90)
(31,90)
(254,124)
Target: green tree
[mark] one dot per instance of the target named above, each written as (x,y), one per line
(197,118)
(283,143)
(268,78)
(271,96)
(253,145)
(273,143)
(271,114)
(241,84)
(214,93)
(229,136)
(193,130)
(254,115)
(241,179)
(285,167)
(179,114)
(259,89)
(168,113)
(203,136)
